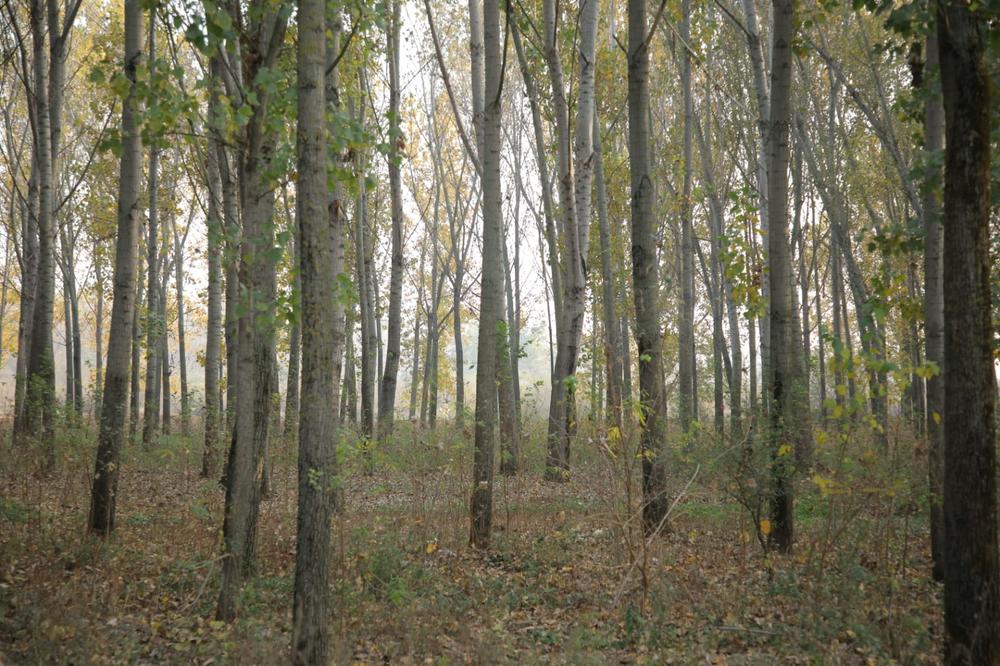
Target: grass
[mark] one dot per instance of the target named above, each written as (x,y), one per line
(557,585)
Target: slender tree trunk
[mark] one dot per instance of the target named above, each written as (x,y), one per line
(98,334)
(181,342)
(575,184)
(294,349)
(415,363)
(29,282)
(366,308)
(971,558)
(645,274)
(686,360)
(612,330)
(213,334)
(153,324)
(387,388)
(111,433)
(136,354)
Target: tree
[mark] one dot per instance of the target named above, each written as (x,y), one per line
(491,286)
(645,274)
(971,558)
(111,433)
(317,427)
(789,396)
(153,324)
(387,388)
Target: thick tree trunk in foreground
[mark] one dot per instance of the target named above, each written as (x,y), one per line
(111,434)
(972,565)
(645,275)
(317,455)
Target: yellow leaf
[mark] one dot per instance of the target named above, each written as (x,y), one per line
(784,450)
(431,547)
(765,526)
(937,418)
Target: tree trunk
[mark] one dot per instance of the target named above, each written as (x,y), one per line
(181,348)
(317,427)
(213,334)
(645,275)
(98,334)
(789,408)
(291,425)
(575,183)
(972,562)
(612,330)
(111,433)
(387,388)
(686,361)
(29,282)
(491,292)
(153,324)
(40,403)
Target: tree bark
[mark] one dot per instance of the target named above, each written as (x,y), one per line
(971,559)
(645,275)
(387,388)
(213,334)
(111,433)
(153,323)
(789,408)
(575,186)
(317,426)
(686,360)
(491,291)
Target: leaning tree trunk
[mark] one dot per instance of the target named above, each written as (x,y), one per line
(645,275)
(111,433)
(971,559)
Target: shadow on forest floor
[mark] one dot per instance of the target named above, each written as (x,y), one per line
(557,586)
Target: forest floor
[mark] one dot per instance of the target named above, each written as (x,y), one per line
(569,578)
